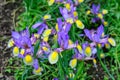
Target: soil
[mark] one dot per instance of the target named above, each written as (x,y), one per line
(9,10)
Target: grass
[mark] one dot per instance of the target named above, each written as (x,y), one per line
(35,9)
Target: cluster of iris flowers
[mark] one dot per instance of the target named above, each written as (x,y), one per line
(23,42)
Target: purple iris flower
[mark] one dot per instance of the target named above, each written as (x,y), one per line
(22,40)
(80,56)
(95,8)
(63,36)
(40,26)
(68,14)
(96,35)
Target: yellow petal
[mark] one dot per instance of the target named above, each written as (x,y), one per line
(100,15)
(15,51)
(73,63)
(50,2)
(53,57)
(80,1)
(70,20)
(99,45)
(79,48)
(88,12)
(22,51)
(75,13)
(94,61)
(36,35)
(107,45)
(104,11)
(56,27)
(45,48)
(105,23)
(102,55)
(79,24)
(38,71)
(47,17)
(46,38)
(112,41)
(67,5)
(71,75)
(47,32)
(88,51)
(70,42)
(10,43)
(28,60)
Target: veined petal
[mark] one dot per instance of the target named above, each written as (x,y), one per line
(56,27)
(75,13)
(88,51)
(45,48)
(47,32)
(79,48)
(38,71)
(100,15)
(10,43)
(47,17)
(80,1)
(15,51)
(70,42)
(50,2)
(28,60)
(79,24)
(73,63)
(112,41)
(67,5)
(22,51)
(104,11)
(45,38)
(107,45)
(70,20)
(53,57)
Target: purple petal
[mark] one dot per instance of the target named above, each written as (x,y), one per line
(36,25)
(15,35)
(100,30)
(36,64)
(96,38)
(68,26)
(88,34)
(59,21)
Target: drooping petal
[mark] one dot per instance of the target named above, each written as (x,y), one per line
(28,60)
(38,71)
(15,51)
(88,51)
(79,24)
(50,2)
(73,63)
(112,41)
(53,57)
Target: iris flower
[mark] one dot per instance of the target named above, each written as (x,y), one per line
(86,51)
(98,37)
(62,33)
(71,16)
